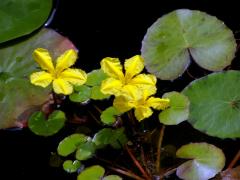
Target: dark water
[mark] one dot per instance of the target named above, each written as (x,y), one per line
(108,29)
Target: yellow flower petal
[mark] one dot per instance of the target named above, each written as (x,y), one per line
(142,112)
(41,78)
(111,86)
(131,92)
(145,82)
(133,66)
(121,104)
(74,76)
(61,86)
(67,59)
(112,67)
(158,103)
(43,58)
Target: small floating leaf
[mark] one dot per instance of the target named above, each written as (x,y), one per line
(108,116)
(174,38)
(215,104)
(71,166)
(95,172)
(70,144)
(21,17)
(83,94)
(42,127)
(85,151)
(206,161)
(119,138)
(178,110)
(112,177)
(95,77)
(96,94)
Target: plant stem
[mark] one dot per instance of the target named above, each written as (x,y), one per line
(159,147)
(144,160)
(171,171)
(234,161)
(144,173)
(98,109)
(126,173)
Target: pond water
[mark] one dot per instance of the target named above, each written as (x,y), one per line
(113,29)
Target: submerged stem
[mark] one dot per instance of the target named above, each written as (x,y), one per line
(159,147)
(234,161)
(136,162)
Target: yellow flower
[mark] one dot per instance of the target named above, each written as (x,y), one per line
(119,83)
(141,101)
(62,76)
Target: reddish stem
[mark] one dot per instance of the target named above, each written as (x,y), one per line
(159,147)
(234,161)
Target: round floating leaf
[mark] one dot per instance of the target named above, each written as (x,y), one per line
(21,17)
(108,116)
(174,38)
(85,151)
(96,94)
(16,65)
(95,77)
(71,166)
(95,172)
(70,144)
(119,138)
(112,177)
(42,127)
(206,161)
(103,137)
(215,104)
(178,110)
(83,94)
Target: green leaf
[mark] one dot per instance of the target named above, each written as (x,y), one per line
(95,77)
(215,104)
(174,38)
(112,177)
(103,137)
(95,172)
(42,127)
(108,116)
(21,17)
(70,144)
(16,65)
(83,94)
(206,161)
(71,166)
(178,110)
(96,94)
(85,151)
(119,138)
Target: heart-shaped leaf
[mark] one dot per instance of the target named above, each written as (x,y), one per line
(112,177)
(71,166)
(16,65)
(178,110)
(83,94)
(70,144)
(215,104)
(96,94)
(85,151)
(206,161)
(42,127)
(174,38)
(95,172)
(108,116)
(21,17)
(95,77)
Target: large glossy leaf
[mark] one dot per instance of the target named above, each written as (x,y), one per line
(21,17)
(178,110)
(206,161)
(215,104)
(95,172)
(174,38)
(42,127)
(16,65)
